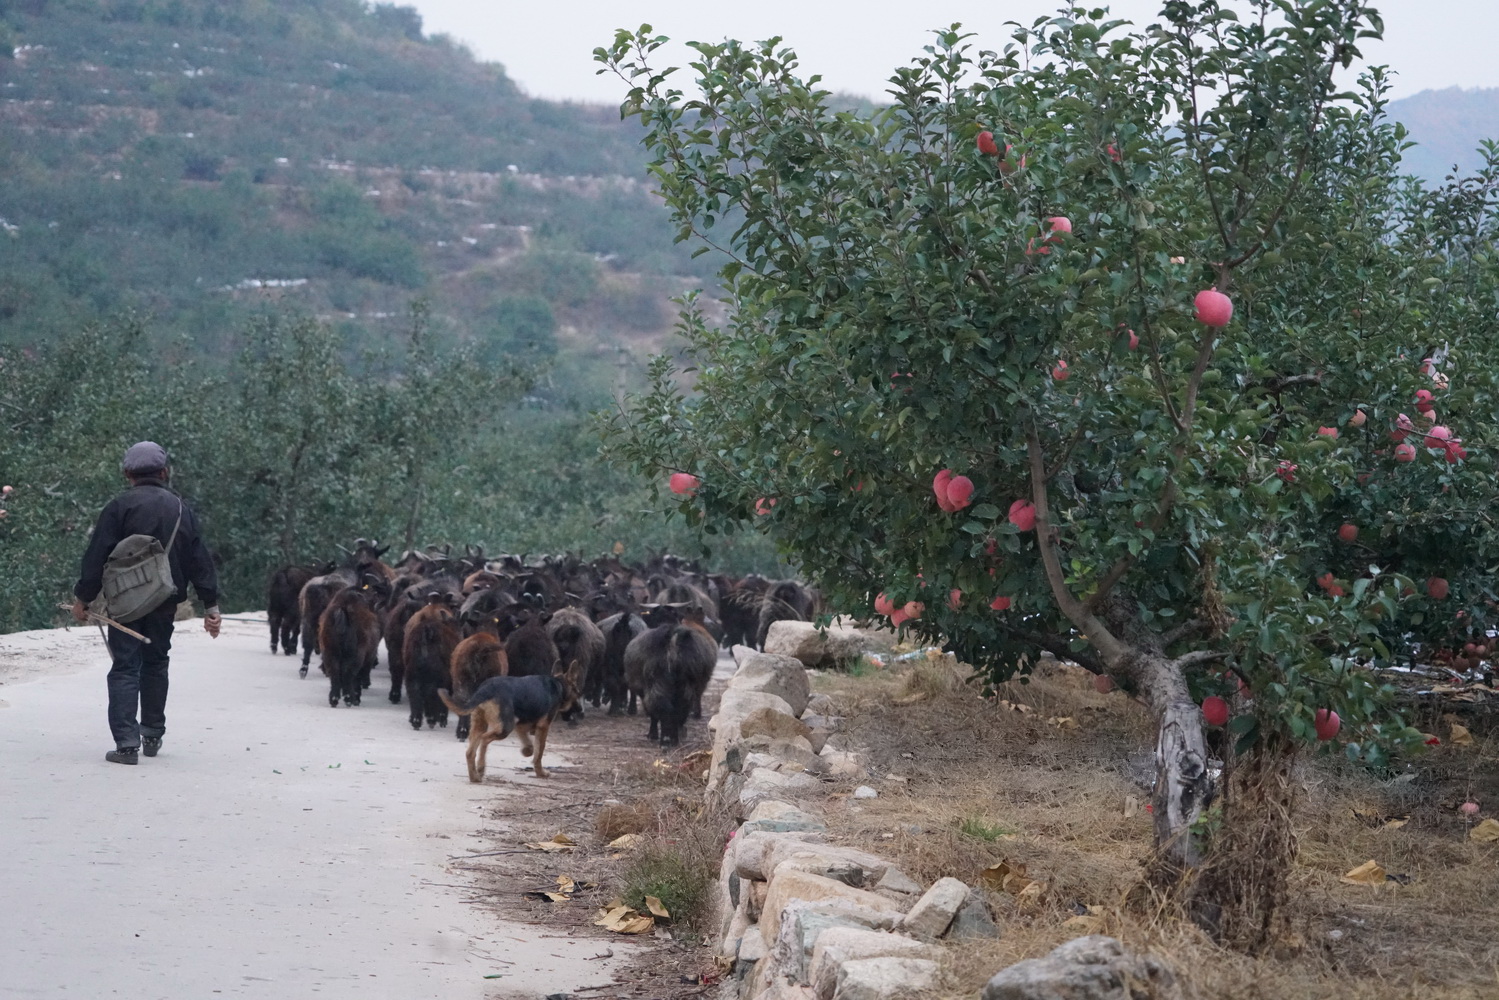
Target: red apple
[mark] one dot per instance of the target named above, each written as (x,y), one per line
(898,618)
(6,491)
(1060,372)
(1438,437)
(1213,307)
(1059,226)
(1348,533)
(1114,154)
(1358,418)
(1134,340)
(682,482)
(1437,588)
(1405,453)
(940,484)
(1007,165)
(987,145)
(883,606)
(1328,432)
(1327,723)
(1000,604)
(1214,710)
(1103,683)
(1023,515)
(763,505)
(958,492)
(1469,808)
(955,599)
(913,609)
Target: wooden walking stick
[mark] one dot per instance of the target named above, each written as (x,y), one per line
(104,620)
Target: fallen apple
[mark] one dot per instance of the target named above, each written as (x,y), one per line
(1214,710)
(1469,808)
(1213,307)
(1103,683)
(1326,723)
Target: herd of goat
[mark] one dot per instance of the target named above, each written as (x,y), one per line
(644,634)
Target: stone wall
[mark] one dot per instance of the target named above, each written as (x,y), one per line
(802,917)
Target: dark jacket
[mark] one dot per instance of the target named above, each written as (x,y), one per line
(149,508)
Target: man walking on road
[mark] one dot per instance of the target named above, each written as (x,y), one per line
(138,677)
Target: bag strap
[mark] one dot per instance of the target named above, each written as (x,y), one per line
(173,539)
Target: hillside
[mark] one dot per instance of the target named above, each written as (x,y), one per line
(200,161)
(1448,126)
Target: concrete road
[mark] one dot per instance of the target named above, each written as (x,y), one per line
(275,848)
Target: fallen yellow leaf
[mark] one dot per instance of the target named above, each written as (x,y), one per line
(1030,896)
(561,842)
(1131,807)
(623,920)
(628,842)
(1394,824)
(1083,925)
(1368,873)
(654,905)
(1460,736)
(1486,832)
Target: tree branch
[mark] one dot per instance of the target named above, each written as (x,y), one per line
(1197,656)
(1108,645)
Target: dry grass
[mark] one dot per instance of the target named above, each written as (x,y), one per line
(1074,799)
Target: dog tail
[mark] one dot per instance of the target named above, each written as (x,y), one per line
(453,706)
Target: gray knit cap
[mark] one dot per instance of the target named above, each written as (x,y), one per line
(145,456)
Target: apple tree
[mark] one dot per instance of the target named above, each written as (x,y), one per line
(1095,344)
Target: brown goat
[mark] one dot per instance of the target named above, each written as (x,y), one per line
(427,649)
(349,637)
(475,660)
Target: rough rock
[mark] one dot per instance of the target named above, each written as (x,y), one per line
(934,911)
(884,978)
(785,991)
(752,944)
(866,792)
(735,704)
(820,647)
(841,764)
(764,786)
(837,945)
(848,865)
(895,880)
(729,945)
(821,704)
(783,676)
(789,885)
(1087,968)
(751,854)
(802,925)
(755,895)
(797,749)
(973,921)
(773,723)
(777,816)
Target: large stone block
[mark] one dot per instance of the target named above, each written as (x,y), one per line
(777,816)
(752,852)
(803,923)
(837,945)
(849,865)
(774,723)
(934,911)
(783,676)
(885,978)
(1087,968)
(764,786)
(820,647)
(791,885)
(973,921)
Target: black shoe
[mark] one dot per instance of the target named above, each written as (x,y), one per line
(150,745)
(124,755)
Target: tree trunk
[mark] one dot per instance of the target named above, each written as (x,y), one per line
(1181,784)
(1240,894)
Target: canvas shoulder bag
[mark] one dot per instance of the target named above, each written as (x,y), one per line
(138,575)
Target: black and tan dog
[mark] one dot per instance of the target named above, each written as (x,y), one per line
(526,705)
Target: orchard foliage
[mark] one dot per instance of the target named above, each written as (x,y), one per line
(901,302)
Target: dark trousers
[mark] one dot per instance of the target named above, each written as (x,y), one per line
(139,677)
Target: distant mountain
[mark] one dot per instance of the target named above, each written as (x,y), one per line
(1448,125)
(200,160)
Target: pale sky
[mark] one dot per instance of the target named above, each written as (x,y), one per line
(547,47)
